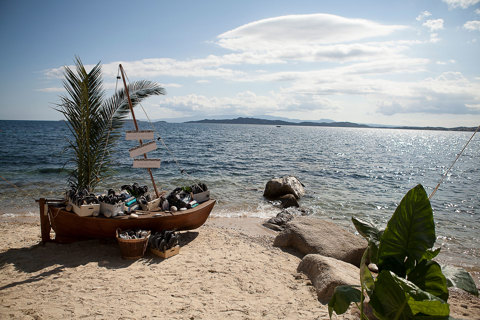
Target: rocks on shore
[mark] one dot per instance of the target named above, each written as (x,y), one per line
(313,235)
(279,222)
(332,254)
(327,273)
(287,189)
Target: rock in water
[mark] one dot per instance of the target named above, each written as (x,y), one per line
(278,187)
(288,201)
(328,273)
(313,235)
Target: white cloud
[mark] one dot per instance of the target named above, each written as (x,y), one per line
(434,38)
(449,93)
(460,3)
(326,62)
(243,103)
(171,85)
(477,11)
(451,61)
(53,89)
(434,25)
(299,31)
(474,107)
(472,25)
(423,15)
(210,66)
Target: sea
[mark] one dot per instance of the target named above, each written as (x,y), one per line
(347,172)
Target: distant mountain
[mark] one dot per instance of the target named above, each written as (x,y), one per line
(257,121)
(227,117)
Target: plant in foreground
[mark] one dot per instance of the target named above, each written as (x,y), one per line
(95,122)
(409,285)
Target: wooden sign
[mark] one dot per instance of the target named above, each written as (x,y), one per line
(134,152)
(139,135)
(146,163)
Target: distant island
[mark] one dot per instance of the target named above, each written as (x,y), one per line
(256,121)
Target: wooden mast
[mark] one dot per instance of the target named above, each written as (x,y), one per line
(136,127)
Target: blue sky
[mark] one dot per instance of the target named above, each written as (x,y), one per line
(403,62)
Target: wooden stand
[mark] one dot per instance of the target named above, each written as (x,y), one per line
(167,254)
(44,222)
(45,226)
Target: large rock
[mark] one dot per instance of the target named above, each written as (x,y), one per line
(313,235)
(327,273)
(278,223)
(278,187)
(288,201)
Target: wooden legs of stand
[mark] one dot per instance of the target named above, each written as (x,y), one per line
(44,221)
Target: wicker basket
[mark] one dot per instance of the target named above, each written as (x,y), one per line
(132,249)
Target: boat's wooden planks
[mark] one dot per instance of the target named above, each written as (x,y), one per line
(70,227)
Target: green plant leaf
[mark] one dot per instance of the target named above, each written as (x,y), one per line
(428,276)
(388,299)
(371,233)
(459,278)
(422,302)
(366,278)
(341,299)
(430,254)
(95,122)
(410,231)
(398,298)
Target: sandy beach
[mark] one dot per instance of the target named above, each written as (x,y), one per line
(227,269)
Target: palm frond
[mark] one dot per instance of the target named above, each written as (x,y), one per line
(95,122)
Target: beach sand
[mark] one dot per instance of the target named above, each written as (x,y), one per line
(227,269)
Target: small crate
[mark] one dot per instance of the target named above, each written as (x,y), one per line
(202,196)
(132,249)
(86,210)
(150,206)
(111,210)
(167,254)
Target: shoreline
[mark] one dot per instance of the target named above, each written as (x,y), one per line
(226,268)
(252,226)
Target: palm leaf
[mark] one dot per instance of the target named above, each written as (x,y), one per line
(94,122)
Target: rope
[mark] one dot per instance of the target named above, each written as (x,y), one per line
(182,171)
(448,170)
(12,185)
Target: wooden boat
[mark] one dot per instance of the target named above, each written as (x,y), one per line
(70,227)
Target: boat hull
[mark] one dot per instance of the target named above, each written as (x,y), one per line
(70,227)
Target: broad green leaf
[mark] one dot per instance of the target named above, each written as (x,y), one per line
(342,297)
(410,231)
(459,278)
(397,298)
(95,122)
(366,279)
(371,233)
(422,302)
(430,254)
(395,265)
(428,276)
(388,299)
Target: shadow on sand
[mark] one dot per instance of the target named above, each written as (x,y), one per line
(56,258)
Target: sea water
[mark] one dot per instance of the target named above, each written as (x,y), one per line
(346,171)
